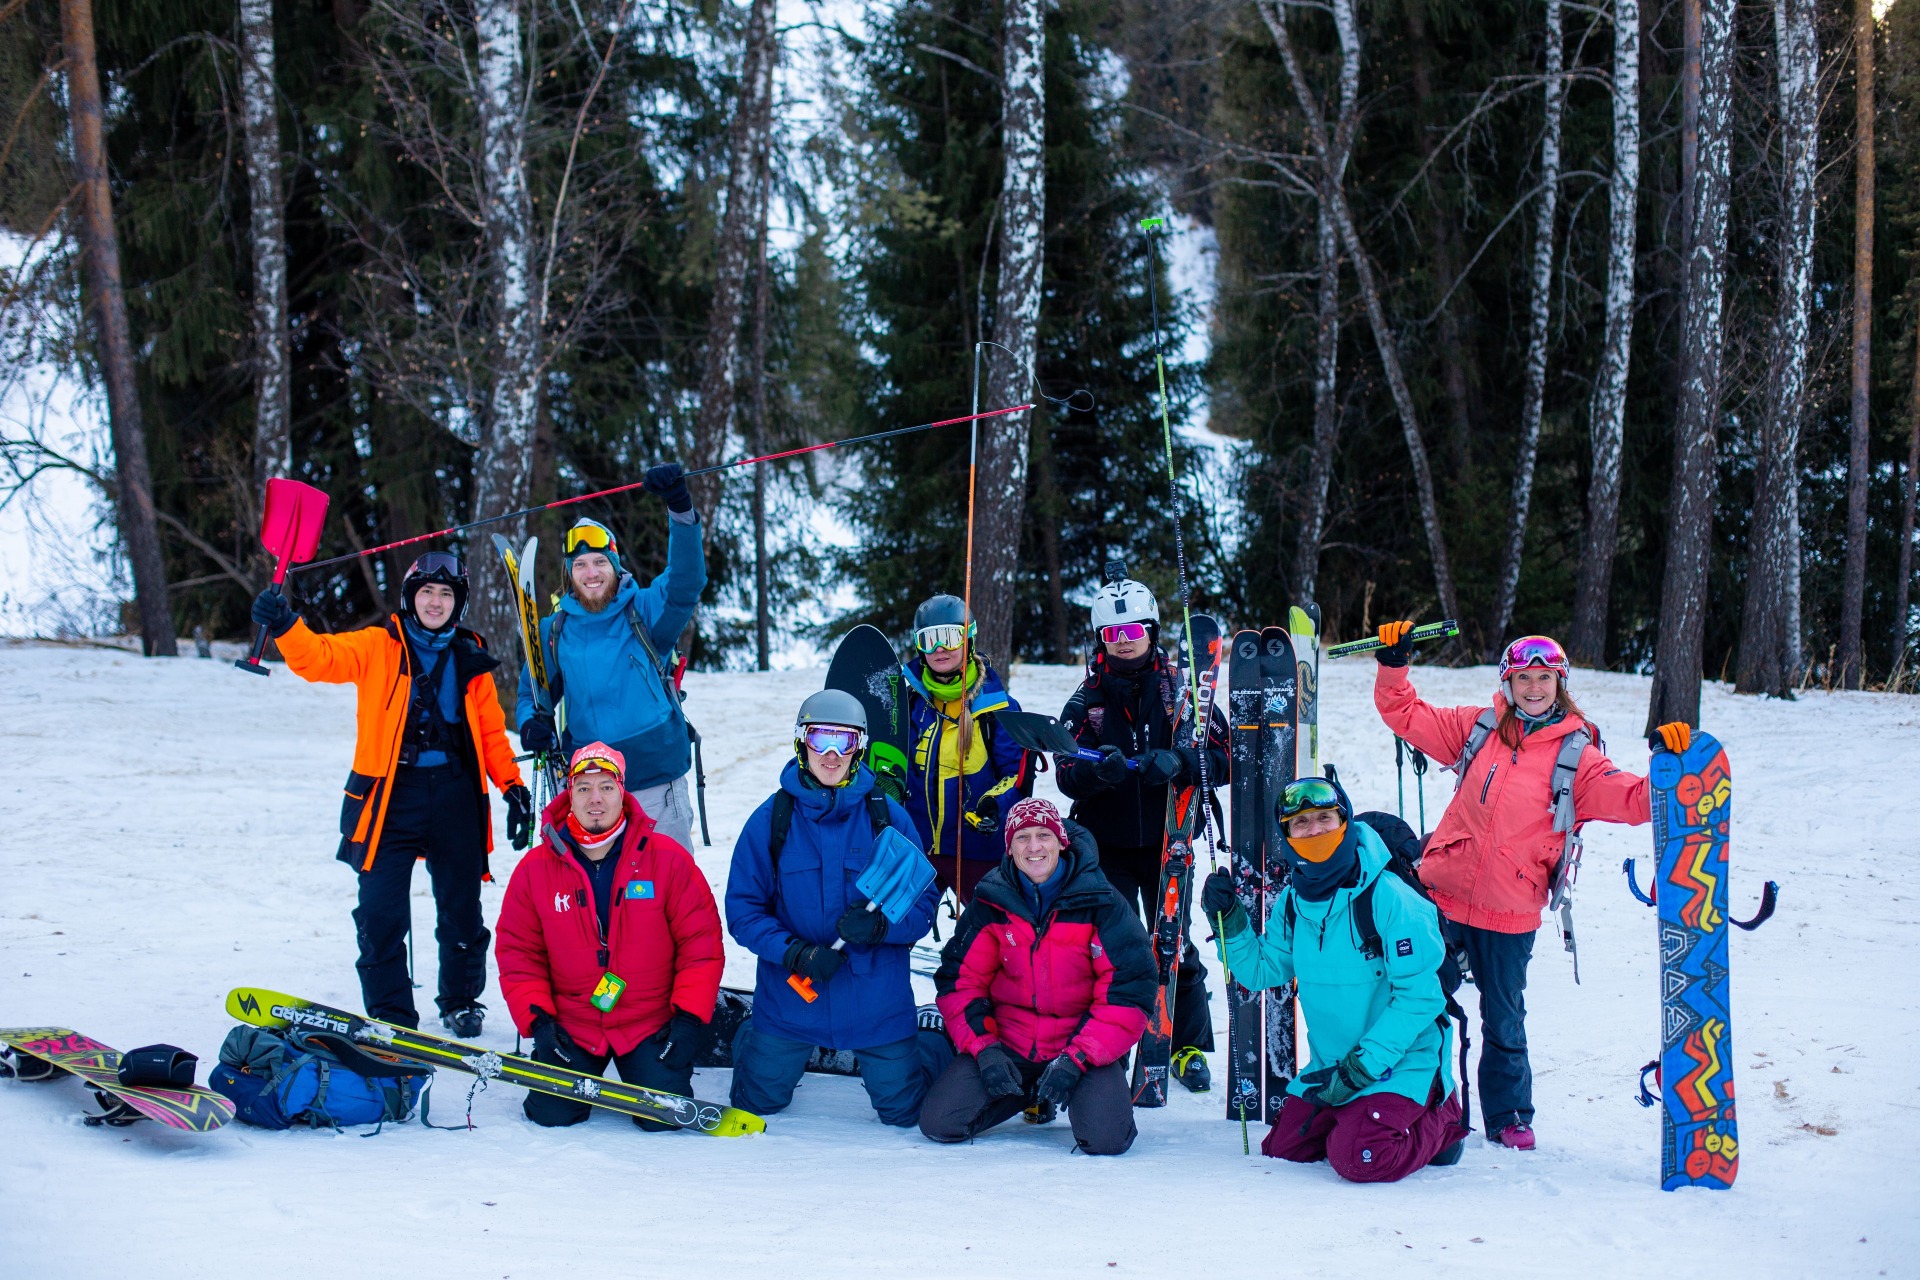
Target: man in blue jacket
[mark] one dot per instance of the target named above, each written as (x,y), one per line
(833,973)
(608,648)
(1377,1101)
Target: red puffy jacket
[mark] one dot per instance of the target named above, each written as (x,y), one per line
(663,936)
(1490,861)
(1079,983)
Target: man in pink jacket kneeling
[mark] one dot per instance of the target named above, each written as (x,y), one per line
(1045,988)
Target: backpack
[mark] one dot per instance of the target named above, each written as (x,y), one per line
(877,814)
(277,1081)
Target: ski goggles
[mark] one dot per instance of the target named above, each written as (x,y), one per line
(442,566)
(597,758)
(1533,651)
(589,537)
(943,636)
(833,739)
(1121,632)
(1307,793)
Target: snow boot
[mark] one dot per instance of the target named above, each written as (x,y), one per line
(1190,1069)
(465,1023)
(929,1018)
(1518,1136)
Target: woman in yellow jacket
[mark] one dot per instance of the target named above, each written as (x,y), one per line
(430,736)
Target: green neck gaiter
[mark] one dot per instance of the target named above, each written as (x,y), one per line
(948,688)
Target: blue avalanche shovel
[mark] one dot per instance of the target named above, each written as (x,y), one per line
(895,878)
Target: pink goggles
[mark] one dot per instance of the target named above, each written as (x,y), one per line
(832,739)
(1123,631)
(1534,651)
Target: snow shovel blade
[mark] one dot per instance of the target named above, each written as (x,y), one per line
(896,877)
(1036,732)
(290,522)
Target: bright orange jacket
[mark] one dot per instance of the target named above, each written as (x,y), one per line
(380,663)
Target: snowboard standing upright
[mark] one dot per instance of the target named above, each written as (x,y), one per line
(1262,706)
(1173,899)
(866,666)
(1692,815)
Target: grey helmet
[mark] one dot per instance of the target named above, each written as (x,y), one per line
(831,706)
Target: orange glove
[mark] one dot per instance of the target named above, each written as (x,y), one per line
(1676,736)
(1396,644)
(1390,632)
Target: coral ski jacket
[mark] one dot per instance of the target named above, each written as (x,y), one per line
(379,662)
(1490,861)
(1078,982)
(663,936)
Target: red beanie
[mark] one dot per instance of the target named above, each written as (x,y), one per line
(1035,812)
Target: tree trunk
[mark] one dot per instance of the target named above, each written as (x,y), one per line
(272,430)
(1708,80)
(1002,492)
(1383,335)
(1326,352)
(1533,401)
(503,464)
(1853,585)
(733,256)
(1903,584)
(1769,626)
(762,615)
(100,251)
(1607,428)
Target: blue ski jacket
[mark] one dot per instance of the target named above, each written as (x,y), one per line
(1389,1006)
(608,686)
(941,789)
(869,1001)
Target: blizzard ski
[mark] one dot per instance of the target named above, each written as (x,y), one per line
(549,768)
(261,1008)
(1245,704)
(1303,621)
(192,1109)
(1279,763)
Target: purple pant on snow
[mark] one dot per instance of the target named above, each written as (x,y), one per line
(1381,1137)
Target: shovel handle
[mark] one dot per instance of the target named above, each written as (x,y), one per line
(805,985)
(252,662)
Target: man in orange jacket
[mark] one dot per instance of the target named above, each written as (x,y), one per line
(430,736)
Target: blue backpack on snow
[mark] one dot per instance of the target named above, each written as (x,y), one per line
(277,1082)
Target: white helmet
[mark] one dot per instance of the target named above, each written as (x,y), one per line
(1124,600)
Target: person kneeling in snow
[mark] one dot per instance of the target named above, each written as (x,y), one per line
(833,973)
(1045,986)
(609,942)
(1377,1100)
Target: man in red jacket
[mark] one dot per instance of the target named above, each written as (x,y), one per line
(609,942)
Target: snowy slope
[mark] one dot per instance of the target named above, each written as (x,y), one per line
(170,834)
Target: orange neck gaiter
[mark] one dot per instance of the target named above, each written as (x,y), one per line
(1321,847)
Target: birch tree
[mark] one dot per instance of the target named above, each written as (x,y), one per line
(1273,14)
(1853,585)
(1706,135)
(260,116)
(1533,401)
(1326,335)
(113,340)
(1002,485)
(1607,424)
(1770,625)
(733,255)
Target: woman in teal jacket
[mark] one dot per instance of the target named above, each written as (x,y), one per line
(1378,1099)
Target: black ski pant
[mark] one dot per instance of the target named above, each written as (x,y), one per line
(1136,874)
(639,1065)
(1498,962)
(958,1109)
(432,815)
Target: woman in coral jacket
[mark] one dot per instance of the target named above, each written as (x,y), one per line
(609,942)
(1045,987)
(1490,862)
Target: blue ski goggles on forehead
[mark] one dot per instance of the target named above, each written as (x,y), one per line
(1307,793)
(833,739)
(943,636)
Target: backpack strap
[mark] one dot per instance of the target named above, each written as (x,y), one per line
(878,814)
(1483,727)
(1363,925)
(1566,767)
(777,837)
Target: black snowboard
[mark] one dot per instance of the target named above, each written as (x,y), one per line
(865,665)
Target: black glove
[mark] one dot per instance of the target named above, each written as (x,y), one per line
(1396,644)
(814,963)
(1337,1085)
(551,1043)
(519,816)
(1222,904)
(537,733)
(1058,1080)
(999,1075)
(1112,768)
(862,927)
(680,1041)
(272,611)
(668,480)
(1164,765)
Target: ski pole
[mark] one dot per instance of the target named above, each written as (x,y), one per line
(623,488)
(1431,631)
(1420,782)
(1400,776)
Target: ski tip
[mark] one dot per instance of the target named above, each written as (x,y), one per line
(255,1006)
(735,1123)
(1148,224)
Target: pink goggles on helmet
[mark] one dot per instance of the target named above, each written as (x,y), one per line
(1123,631)
(1534,651)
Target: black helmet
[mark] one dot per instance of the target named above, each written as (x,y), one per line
(435,566)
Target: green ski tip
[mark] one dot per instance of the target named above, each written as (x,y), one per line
(1148,224)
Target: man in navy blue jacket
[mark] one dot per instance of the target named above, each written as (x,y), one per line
(608,645)
(832,973)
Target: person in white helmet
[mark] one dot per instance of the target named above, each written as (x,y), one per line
(1132,708)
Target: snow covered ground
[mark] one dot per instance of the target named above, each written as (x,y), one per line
(171,835)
